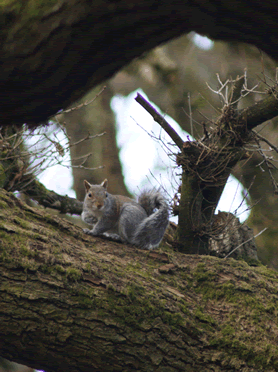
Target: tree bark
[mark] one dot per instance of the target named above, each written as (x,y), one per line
(52,52)
(95,118)
(73,302)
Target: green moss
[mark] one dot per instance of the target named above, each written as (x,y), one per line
(260,356)
(271,308)
(201,274)
(11,239)
(269,273)
(199,313)
(22,223)
(88,267)
(228,330)
(84,301)
(3,204)
(27,9)
(173,319)
(25,251)
(60,269)
(3,176)
(73,274)
(10,3)
(138,309)
(184,309)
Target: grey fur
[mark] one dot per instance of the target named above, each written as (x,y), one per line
(142,224)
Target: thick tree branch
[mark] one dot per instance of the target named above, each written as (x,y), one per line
(71,300)
(50,199)
(261,111)
(52,52)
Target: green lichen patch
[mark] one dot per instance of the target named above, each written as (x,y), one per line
(213,311)
(28,9)
(73,273)
(23,223)
(137,311)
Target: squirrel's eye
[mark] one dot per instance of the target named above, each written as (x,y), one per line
(106,194)
(89,195)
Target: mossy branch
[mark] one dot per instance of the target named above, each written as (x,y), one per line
(50,199)
(261,111)
(104,306)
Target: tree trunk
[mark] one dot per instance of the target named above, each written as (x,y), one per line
(52,52)
(264,203)
(73,302)
(95,118)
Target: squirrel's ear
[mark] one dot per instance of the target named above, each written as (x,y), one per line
(104,183)
(87,185)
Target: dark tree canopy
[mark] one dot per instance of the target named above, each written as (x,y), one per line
(52,52)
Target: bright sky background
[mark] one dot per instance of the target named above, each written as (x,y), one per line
(146,163)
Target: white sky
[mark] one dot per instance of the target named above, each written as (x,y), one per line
(145,162)
(202,42)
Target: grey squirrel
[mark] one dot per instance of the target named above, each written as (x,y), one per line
(142,224)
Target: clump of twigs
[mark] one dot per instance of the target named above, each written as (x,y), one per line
(25,154)
(207,161)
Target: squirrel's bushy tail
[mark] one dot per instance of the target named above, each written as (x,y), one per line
(150,231)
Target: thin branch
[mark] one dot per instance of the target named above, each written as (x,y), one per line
(248,240)
(236,90)
(190,115)
(160,120)
(266,141)
(84,103)
(268,164)
(89,136)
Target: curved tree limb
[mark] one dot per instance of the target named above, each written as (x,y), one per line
(52,52)
(71,300)
(50,199)
(261,111)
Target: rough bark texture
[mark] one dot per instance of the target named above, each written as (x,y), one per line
(72,302)
(52,52)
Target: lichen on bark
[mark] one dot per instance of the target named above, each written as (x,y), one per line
(93,304)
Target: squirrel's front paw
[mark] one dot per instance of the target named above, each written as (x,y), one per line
(113,236)
(88,231)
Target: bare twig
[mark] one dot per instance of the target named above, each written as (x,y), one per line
(268,164)
(190,115)
(266,141)
(160,120)
(236,90)
(248,240)
(89,136)
(84,103)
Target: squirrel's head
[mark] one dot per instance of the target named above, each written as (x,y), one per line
(95,194)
